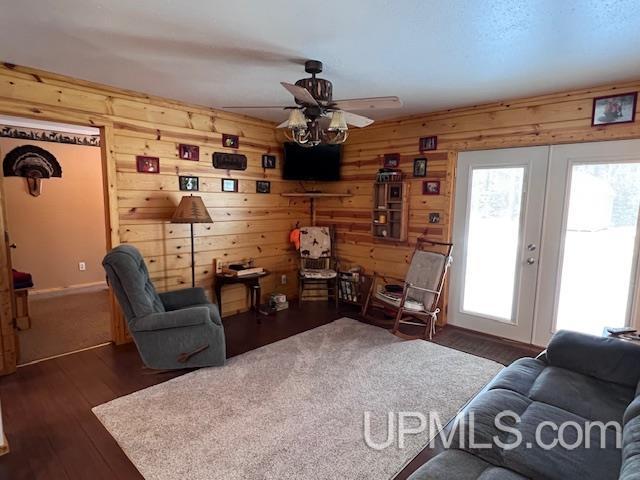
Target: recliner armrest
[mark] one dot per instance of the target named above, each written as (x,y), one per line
(177,299)
(609,359)
(186,317)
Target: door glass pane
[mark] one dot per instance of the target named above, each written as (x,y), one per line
(599,245)
(492,243)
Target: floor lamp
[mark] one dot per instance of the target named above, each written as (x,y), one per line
(191,210)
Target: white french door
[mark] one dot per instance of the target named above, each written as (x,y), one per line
(546,239)
(588,270)
(496,233)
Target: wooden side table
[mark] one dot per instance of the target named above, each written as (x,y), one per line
(252,282)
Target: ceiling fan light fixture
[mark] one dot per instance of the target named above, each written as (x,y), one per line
(297,120)
(338,122)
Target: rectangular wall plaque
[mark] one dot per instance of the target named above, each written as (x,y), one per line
(229,161)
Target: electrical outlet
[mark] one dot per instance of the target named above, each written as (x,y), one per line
(82,266)
(283,280)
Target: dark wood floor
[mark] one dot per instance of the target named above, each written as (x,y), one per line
(47,406)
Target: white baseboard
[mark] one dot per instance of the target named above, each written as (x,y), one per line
(71,289)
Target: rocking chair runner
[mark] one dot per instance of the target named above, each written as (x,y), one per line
(421,290)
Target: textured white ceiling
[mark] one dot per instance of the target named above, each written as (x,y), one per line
(432,54)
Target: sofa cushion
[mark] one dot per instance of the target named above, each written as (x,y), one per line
(520,376)
(618,361)
(585,396)
(459,465)
(529,459)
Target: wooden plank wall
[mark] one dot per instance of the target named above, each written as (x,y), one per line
(246,225)
(542,120)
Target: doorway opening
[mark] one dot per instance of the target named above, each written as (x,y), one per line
(547,239)
(55,213)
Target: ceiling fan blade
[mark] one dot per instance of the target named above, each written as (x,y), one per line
(368,103)
(301,94)
(357,120)
(257,106)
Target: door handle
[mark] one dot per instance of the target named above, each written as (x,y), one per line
(531,261)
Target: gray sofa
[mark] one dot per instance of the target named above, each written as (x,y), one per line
(172,330)
(579,378)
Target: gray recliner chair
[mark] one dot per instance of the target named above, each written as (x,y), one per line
(172,330)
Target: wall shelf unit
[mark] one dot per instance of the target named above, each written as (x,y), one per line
(390,215)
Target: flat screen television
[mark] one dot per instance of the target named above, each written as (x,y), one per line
(320,163)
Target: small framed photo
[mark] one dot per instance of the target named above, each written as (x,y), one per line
(230,141)
(147,164)
(420,167)
(229,185)
(434,217)
(189,152)
(428,143)
(263,186)
(188,183)
(614,109)
(395,192)
(268,161)
(391,160)
(431,187)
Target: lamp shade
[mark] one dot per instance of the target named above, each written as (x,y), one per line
(191,210)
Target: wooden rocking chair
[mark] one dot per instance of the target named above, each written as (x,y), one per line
(417,302)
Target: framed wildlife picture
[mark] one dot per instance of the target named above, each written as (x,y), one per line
(431,187)
(230,141)
(146,164)
(189,183)
(189,152)
(614,109)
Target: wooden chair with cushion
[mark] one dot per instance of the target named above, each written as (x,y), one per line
(318,265)
(415,300)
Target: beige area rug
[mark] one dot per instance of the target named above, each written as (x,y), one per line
(294,409)
(65,323)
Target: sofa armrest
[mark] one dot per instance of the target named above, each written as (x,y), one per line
(187,297)
(609,359)
(186,317)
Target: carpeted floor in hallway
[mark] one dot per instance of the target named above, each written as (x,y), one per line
(65,323)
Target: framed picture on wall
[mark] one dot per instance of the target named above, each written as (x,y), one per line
(268,161)
(146,164)
(263,186)
(420,167)
(428,143)
(614,109)
(431,187)
(229,185)
(391,160)
(189,183)
(230,141)
(189,152)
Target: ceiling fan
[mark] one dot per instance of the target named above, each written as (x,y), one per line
(317,118)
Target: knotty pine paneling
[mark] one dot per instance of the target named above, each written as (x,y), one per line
(246,225)
(542,120)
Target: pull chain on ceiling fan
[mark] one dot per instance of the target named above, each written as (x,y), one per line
(317,118)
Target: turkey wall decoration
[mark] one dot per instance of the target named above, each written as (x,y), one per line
(34,164)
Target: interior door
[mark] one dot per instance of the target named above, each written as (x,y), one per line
(588,270)
(497,230)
